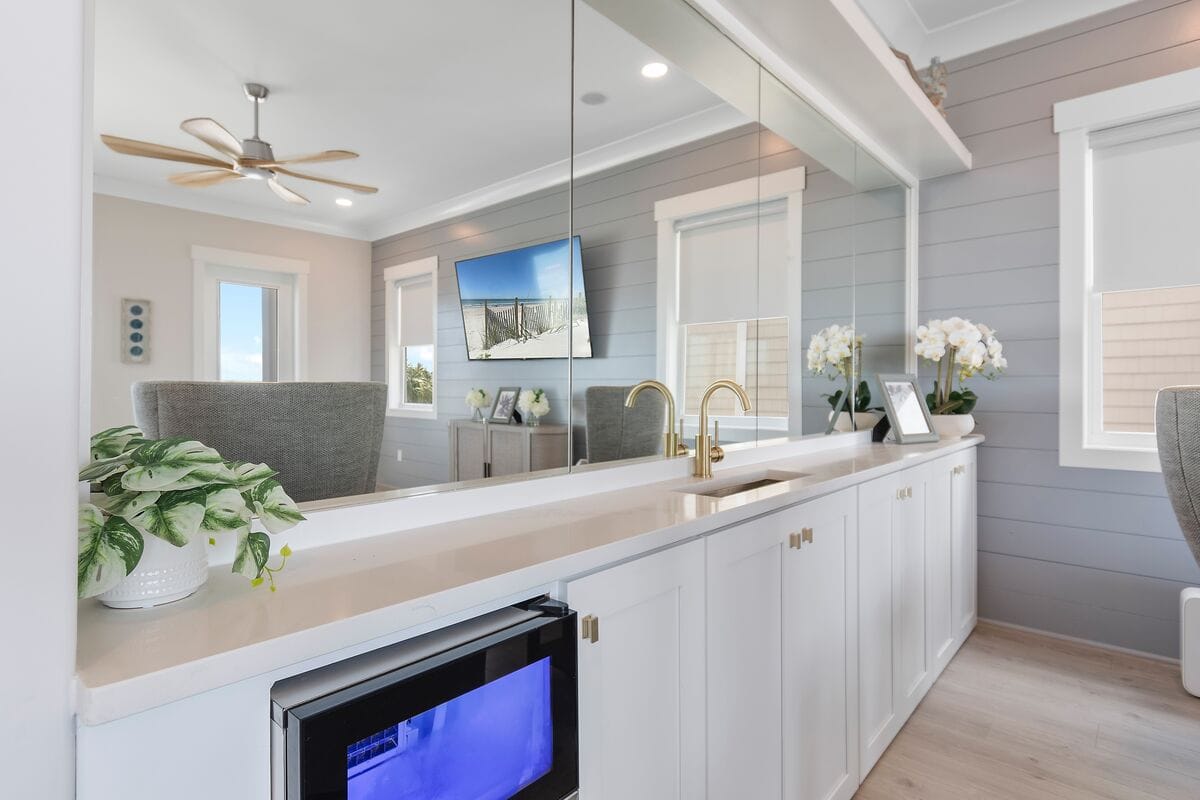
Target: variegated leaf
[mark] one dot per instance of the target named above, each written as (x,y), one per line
(114,441)
(253,549)
(247,476)
(225,510)
(165,463)
(174,518)
(127,504)
(108,551)
(99,470)
(271,503)
(203,476)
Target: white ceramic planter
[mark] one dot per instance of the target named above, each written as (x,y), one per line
(953,426)
(864,419)
(166,573)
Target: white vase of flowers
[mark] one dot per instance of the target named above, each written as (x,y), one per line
(958,348)
(533,405)
(836,352)
(478,399)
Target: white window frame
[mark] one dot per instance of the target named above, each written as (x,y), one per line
(1081,440)
(786,185)
(212,266)
(393,368)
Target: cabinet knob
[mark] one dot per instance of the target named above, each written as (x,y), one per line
(806,535)
(794,541)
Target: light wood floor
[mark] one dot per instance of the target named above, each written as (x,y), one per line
(1027,717)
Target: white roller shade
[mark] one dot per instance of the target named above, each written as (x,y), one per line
(1146,205)
(733,265)
(416,311)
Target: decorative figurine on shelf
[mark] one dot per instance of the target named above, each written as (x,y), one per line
(934,84)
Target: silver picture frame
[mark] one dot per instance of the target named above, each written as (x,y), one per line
(906,409)
(505,405)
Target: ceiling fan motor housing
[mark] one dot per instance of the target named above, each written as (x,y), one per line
(257,150)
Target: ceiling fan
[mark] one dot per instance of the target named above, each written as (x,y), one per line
(250,158)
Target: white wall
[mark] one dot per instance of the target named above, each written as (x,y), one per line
(143,250)
(41,57)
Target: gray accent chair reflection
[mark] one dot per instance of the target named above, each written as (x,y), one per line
(323,438)
(1177,428)
(615,432)
(1177,425)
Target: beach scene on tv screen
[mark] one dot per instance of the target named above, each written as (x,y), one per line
(518,304)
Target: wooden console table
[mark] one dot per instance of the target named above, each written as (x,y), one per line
(484,449)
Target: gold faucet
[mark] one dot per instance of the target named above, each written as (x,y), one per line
(672,445)
(709,454)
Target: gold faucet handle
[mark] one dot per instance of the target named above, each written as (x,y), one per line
(716,453)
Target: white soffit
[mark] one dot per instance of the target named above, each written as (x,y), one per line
(953,28)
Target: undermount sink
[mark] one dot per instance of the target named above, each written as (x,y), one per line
(756,482)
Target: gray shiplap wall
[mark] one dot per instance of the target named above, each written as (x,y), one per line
(614,216)
(1087,553)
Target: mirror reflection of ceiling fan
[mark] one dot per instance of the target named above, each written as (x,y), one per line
(250,158)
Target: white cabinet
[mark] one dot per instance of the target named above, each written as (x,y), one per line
(965,544)
(894,670)
(782,655)
(641,681)
(952,555)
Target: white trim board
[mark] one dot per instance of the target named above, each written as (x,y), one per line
(1062,637)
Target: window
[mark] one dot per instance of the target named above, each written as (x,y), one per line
(410,318)
(724,284)
(249,316)
(1130,264)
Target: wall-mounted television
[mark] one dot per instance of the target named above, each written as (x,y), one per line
(518,304)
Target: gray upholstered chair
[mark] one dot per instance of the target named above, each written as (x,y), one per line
(1177,427)
(323,438)
(1177,423)
(615,432)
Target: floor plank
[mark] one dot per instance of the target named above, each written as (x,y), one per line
(1028,717)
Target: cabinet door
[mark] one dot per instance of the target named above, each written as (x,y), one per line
(469,452)
(509,451)
(964,546)
(940,559)
(911,667)
(820,660)
(745,643)
(641,683)
(879,719)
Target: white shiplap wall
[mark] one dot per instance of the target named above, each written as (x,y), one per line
(1087,553)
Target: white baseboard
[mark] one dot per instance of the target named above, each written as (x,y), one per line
(1077,640)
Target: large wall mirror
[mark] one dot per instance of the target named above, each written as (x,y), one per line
(417,246)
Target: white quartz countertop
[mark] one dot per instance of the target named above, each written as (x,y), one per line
(345,595)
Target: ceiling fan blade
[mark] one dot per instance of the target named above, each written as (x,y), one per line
(132,147)
(286,193)
(313,158)
(208,177)
(354,187)
(214,135)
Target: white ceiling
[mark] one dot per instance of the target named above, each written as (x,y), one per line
(440,99)
(953,28)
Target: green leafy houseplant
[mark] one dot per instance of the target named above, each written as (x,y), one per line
(173,489)
(862,398)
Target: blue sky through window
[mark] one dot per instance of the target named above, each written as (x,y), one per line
(241,332)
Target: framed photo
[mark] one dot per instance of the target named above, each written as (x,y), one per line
(906,409)
(505,405)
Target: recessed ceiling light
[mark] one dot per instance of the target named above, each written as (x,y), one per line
(344,202)
(655,69)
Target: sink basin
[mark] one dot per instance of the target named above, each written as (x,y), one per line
(754,482)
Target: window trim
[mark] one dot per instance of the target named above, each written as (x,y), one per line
(213,265)
(422,267)
(1081,441)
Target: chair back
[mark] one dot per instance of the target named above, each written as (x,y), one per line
(1177,425)
(323,438)
(615,432)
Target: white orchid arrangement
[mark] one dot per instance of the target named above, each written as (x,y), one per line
(479,399)
(174,489)
(836,352)
(534,401)
(963,349)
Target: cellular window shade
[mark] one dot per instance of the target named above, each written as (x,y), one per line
(1146,205)
(733,265)
(416,311)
